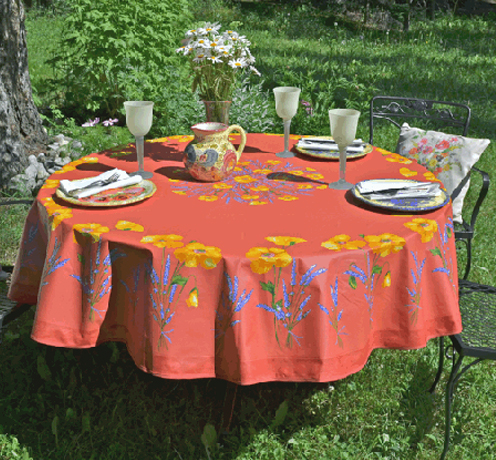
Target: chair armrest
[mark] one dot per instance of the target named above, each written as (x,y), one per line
(482,195)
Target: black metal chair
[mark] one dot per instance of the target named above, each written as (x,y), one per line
(9,310)
(434,115)
(477,340)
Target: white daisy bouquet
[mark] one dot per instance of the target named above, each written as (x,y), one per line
(216,59)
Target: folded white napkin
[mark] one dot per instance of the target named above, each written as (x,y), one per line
(315,143)
(123,180)
(387,190)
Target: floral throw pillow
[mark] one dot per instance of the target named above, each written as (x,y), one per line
(449,157)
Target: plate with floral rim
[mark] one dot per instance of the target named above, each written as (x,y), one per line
(405,204)
(333,154)
(114,197)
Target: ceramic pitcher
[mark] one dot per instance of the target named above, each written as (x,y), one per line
(210,156)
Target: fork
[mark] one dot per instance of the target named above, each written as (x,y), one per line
(98,183)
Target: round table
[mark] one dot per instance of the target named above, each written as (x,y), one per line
(251,279)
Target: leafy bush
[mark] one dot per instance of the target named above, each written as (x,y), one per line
(11,449)
(252,109)
(108,41)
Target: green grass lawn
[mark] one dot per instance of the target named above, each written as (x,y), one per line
(95,404)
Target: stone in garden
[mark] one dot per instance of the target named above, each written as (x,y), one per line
(77,145)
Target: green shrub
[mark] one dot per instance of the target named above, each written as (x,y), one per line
(107,42)
(10,449)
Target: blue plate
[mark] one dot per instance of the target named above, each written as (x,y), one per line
(405,204)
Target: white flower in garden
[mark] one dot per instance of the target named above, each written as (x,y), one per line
(237,63)
(184,49)
(214,59)
(230,34)
(91,123)
(240,39)
(214,28)
(191,33)
(201,56)
(245,53)
(255,71)
(110,122)
(224,51)
(201,43)
(215,44)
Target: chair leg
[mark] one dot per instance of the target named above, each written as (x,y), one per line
(432,389)
(228,407)
(450,387)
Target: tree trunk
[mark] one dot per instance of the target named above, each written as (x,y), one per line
(21,131)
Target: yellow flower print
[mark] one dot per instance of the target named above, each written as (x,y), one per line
(246,179)
(315,176)
(297,173)
(164,241)
(262,171)
(263,259)
(387,280)
(243,163)
(129,226)
(260,188)
(51,183)
(192,300)
(321,187)
(59,213)
(49,202)
(222,186)
(273,162)
(95,230)
(425,227)
(89,160)
(408,172)
(72,165)
(208,198)
(257,203)
(159,140)
(250,197)
(179,192)
(305,186)
(311,169)
(385,244)
(66,168)
(383,151)
(339,242)
(430,176)
(285,240)
(182,138)
(238,169)
(396,158)
(194,254)
(288,198)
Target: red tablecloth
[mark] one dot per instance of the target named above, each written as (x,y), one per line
(249,279)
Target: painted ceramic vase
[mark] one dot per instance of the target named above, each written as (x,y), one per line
(210,157)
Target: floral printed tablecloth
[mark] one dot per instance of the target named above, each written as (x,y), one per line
(250,279)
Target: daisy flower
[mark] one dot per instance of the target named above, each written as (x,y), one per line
(237,63)
(215,60)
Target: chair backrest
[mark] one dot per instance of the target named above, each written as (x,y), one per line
(434,114)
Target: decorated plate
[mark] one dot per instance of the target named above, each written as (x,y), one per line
(333,154)
(114,197)
(405,204)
